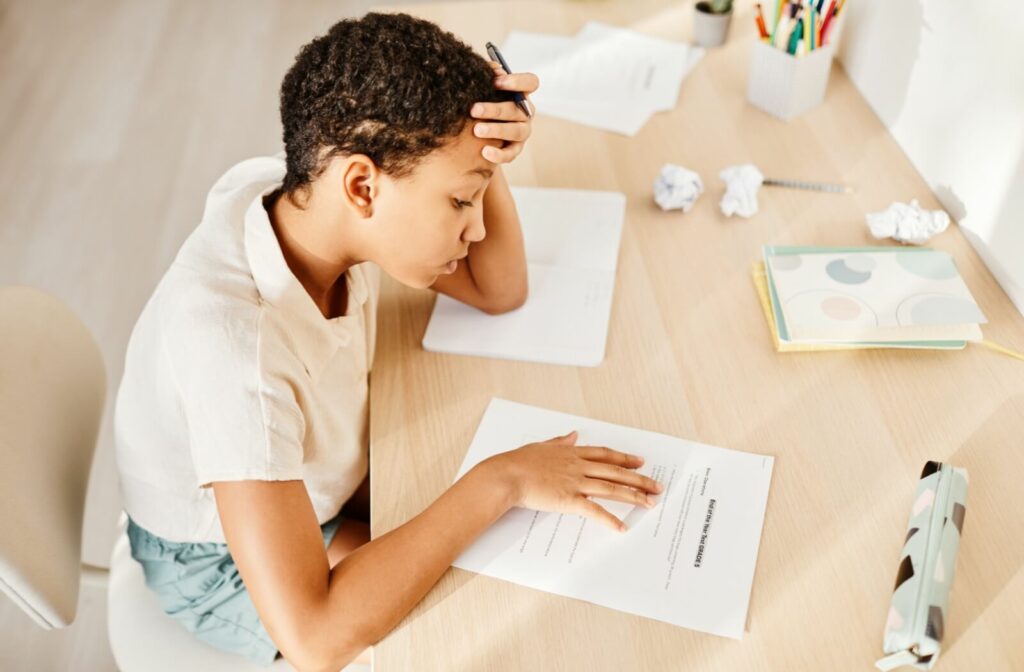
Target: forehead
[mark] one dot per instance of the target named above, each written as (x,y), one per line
(459,158)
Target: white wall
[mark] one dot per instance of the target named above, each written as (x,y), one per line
(947,78)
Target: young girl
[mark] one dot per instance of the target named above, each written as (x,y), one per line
(241,420)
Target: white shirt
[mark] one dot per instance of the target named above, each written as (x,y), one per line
(233,373)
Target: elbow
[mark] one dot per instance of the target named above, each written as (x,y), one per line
(313,653)
(508,302)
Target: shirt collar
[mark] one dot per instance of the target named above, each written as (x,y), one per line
(315,338)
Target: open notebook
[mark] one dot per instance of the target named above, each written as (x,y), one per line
(572,247)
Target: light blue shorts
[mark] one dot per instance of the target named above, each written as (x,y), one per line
(199,586)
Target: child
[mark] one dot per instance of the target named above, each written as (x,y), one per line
(241,421)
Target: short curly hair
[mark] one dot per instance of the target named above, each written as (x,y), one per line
(390,86)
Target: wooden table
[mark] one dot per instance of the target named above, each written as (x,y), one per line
(689,354)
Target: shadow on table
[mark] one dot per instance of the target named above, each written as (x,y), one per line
(986,564)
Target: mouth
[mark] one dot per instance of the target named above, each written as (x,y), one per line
(453,264)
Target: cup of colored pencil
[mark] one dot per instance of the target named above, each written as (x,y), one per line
(800,27)
(792,60)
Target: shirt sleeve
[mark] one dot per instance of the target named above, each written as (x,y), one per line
(244,422)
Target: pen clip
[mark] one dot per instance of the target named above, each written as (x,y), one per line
(492,53)
(496,56)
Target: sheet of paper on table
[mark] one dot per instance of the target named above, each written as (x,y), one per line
(572,248)
(688,561)
(606,77)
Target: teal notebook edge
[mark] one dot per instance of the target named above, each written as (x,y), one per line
(774,250)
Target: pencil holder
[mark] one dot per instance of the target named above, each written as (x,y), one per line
(787,86)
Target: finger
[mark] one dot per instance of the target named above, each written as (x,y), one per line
(507,111)
(609,472)
(594,487)
(593,510)
(564,438)
(526,82)
(509,131)
(602,454)
(497,67)
(504,154)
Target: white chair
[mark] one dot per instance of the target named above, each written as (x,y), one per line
(52,389)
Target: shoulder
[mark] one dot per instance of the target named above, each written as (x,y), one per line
(205,319)
(217,331)
(209,298)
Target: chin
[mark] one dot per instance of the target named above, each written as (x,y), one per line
(410,276)
(419,282)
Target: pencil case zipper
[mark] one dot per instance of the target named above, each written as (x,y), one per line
(932,548)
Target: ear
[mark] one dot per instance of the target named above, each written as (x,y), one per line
(360,181)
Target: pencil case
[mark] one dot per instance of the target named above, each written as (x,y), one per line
(920,600)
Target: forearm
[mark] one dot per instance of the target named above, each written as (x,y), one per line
(373,588)
(498,262)
(493,276)
(322,618)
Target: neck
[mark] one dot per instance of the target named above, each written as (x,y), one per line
(308,240)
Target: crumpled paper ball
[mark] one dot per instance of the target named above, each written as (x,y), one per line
(907,223)
(741,185)
(677,188)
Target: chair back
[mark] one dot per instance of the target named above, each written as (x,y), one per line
(52,390)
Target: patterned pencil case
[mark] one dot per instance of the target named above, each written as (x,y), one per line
(920,600)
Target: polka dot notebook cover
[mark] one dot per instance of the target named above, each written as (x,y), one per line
(869,295)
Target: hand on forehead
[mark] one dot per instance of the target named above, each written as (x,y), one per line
(505,121)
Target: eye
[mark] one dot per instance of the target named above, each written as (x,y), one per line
(458,204)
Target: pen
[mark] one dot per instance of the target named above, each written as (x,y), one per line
(759,19)
(777,21)
(825,22)
(517,96)
(814,186)
(788,21)
(794,37)
(809,27)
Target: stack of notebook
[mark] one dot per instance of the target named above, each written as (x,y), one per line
(823,298)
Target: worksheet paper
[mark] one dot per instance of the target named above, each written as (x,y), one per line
(572,247)
(688,561)
(656,66)
(606,77)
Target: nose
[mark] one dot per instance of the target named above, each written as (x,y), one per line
(475,231)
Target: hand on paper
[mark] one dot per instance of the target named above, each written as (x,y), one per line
(505,121)
(557,475)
